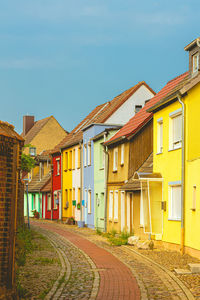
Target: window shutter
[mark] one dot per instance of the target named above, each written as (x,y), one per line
(110,205)
(116,206)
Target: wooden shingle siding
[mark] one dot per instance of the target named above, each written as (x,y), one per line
(141,147)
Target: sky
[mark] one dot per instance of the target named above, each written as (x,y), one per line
(63,58)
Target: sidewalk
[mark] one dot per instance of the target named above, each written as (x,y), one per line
(122,269)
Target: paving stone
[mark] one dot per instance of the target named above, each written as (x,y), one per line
(182,271)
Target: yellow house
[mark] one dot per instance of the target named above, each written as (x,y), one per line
(67,186)
(177,157)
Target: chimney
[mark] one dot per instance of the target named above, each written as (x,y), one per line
(28,122)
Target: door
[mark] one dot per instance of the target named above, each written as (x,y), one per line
(122,211)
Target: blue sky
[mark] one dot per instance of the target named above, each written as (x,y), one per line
(62,58)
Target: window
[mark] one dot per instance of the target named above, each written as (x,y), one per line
(177,131)
(115,159)
(194,197)
(79,195)
(32,151)
(73,159)
(34,201)
(49,202)
(102,157)
(85,198)
(137,108)
(85,155)
(110,205)
(89,202)
(175,127)
(195,62)
(73,195)
(89,154)
(57,196)
(79,158)
(122,154)
(175,202)
(66,161)
(57,166)
(160,136)
(116,206)
(70,160)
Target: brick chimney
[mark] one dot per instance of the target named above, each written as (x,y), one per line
(28,122)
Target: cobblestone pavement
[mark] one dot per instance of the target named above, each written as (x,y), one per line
(155,282)
(116,279)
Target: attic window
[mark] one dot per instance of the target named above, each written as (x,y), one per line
(137,108)
(195,62)
(32,151)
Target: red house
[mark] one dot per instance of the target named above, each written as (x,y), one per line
(56,186)
(46,200)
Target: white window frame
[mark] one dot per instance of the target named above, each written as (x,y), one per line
(122,154)
(57,164)
(115,159)
(195,57)
(89,154)
(85,202)
(85,155)
(173,144)
(116,204)
(48,201)
(159,136)
(89,201)
(174,216)
(110,205)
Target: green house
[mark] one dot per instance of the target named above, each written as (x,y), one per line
(100,182)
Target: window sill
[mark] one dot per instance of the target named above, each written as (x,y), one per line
(89,213)
(65,170)
(55,208)
(175,149)
(170,219)
(122,164)
(114,171)
(57,175)
(159,153)
(101,168)
(115,220)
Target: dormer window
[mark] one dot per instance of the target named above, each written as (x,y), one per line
(137,108)
(32,151)
(195,62)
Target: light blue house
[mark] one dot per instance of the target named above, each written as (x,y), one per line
(89,133)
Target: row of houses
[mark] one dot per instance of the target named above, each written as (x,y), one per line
(131,165)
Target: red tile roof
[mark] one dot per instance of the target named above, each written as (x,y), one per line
(99,115)
(142,117)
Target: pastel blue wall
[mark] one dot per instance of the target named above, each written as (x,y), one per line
(88,171)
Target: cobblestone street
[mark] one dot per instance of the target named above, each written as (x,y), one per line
(93,269)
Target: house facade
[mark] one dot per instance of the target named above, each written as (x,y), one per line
(56,186)
(90,196)
(178,158)
(100,178)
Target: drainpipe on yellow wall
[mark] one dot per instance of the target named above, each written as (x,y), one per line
(183,179)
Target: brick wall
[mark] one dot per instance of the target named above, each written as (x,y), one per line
(10,211)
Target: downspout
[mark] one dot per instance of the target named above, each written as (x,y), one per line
(105,184)
(183,179)
(81,181)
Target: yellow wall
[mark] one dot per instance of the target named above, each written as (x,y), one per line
(115,181)
(168,164)
(67,183)
(48,137)
(192,174)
